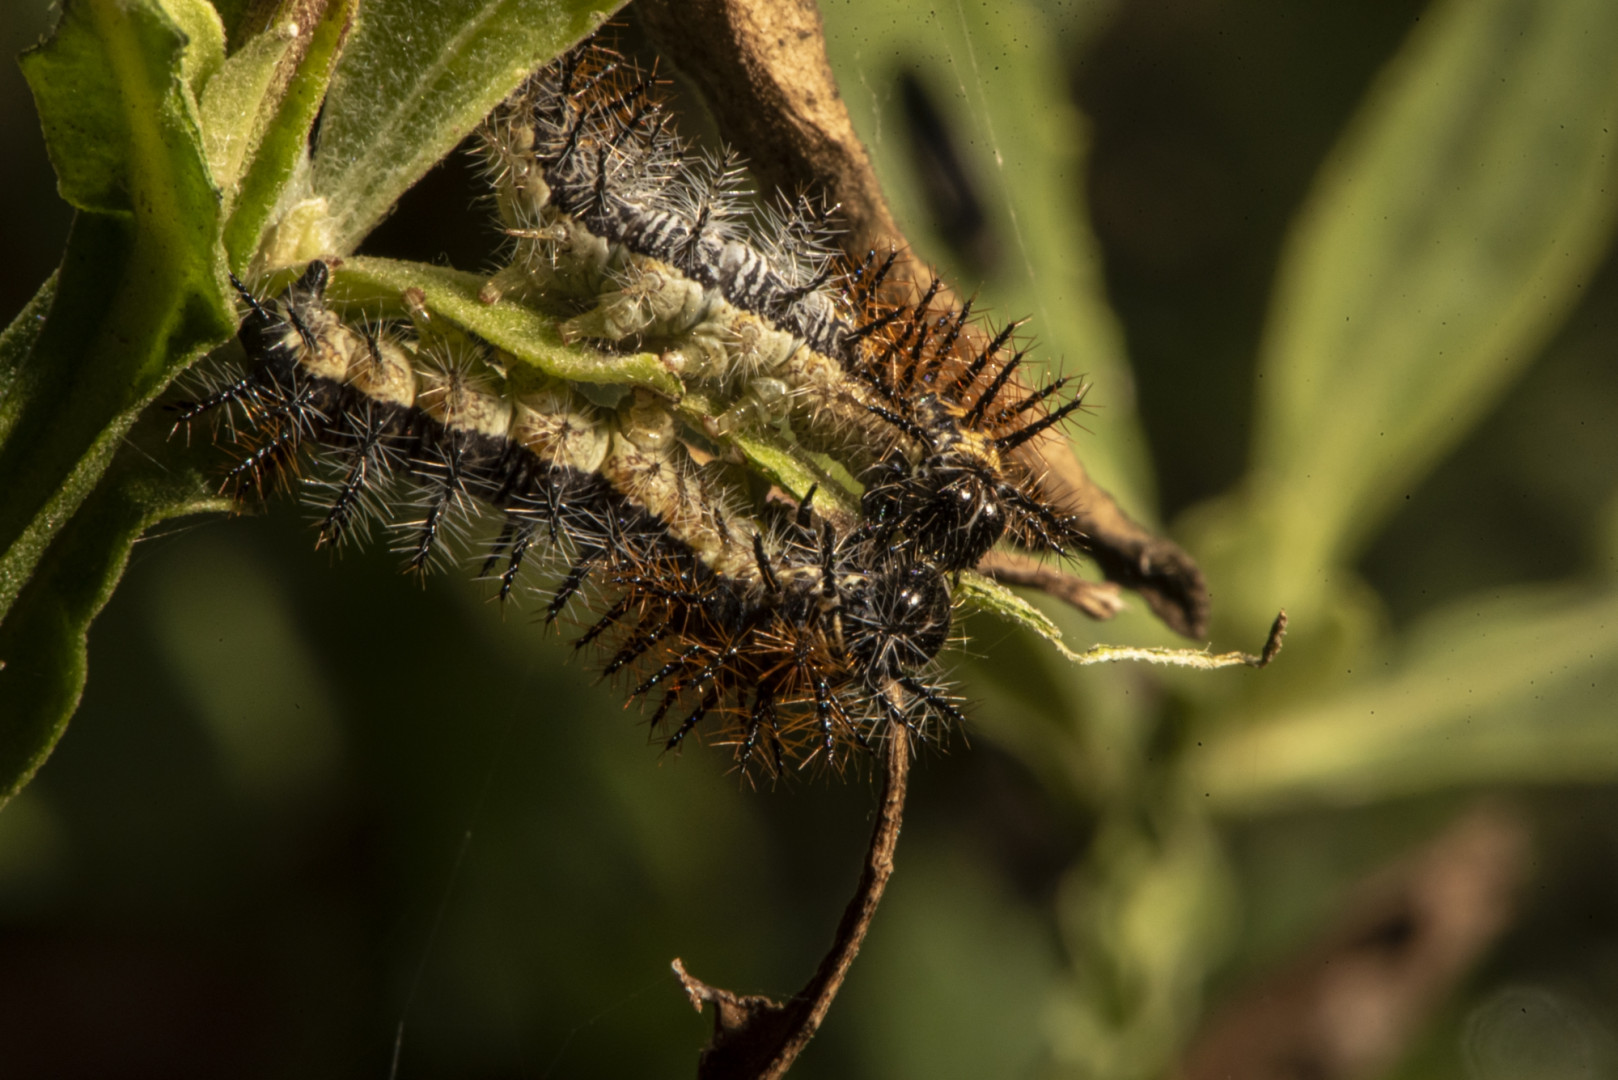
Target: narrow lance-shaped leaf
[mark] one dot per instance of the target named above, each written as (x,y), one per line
(985,594)
(229,105)
(1447,236)
(16,343)
(138,293)
(789,467)
(378,285)
(1513,690)
(204,52)
(140,287)
(259,111)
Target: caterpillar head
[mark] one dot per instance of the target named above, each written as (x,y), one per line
(899,621)
(295,327)
(950,506)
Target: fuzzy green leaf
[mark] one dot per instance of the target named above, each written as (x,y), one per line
(787,467)
(118,113)
(230,103)
(277,140)
(16,343)
(204,52)
(982,593)
(378,285)
(139,291)
(985,594)
(138,294)
(417,77)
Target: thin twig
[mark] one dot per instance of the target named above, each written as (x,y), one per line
(1100,600)
(1191,658)
(758,1039)
(1348,1006)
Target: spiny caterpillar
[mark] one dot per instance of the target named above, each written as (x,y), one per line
(779,634)
(614,220)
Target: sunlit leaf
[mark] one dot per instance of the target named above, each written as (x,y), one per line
(985,594)
(787,467)
(230,102)
(118,114)
(204,53)
(273,88)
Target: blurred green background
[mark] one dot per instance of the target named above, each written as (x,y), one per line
(1342,277)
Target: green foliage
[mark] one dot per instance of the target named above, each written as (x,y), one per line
(44,638)
(1445,240)
(139,292)
(179,161)
(1447,236)
(1512,689)
(264,103)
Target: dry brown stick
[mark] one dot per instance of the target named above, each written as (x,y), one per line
(762,67)
(755,1038)
(1100,600)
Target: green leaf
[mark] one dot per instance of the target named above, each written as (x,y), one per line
(1513,690)
(981,593)
(379,284)
(786,465)
(118,115)
(230,105)
(417,77)
(277,142)
(43,640)
(137,294)
(1449,233)
(15,345)
(139,291)
(204,51)
(1151,911)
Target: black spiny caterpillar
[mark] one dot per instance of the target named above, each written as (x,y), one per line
(761,628)
(612,216)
